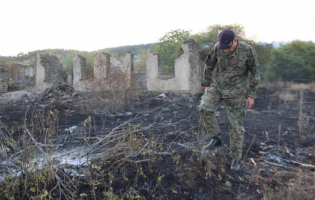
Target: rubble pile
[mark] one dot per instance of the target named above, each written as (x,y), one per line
(61,92)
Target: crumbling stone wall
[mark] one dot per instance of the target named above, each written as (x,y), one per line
(25,71)
(48,71)
(126,65)
(104,67)
(21,76)
(69,79)
(79,72)
(188,67)
(101,65)
(4,80)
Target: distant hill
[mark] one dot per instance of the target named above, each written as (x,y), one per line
(135,49)
(275,44)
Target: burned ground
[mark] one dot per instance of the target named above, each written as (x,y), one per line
(151,148)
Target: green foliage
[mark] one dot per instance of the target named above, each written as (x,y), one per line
(294,62)
(169,46)
(54,52)
(210,37)
(140,65)
(3,64)
(89,62)
(265,57)
(135,49)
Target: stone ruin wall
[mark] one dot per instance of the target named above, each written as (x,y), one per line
(189,67)
(101,65)
(126,65)
(23,76)
(79,73)
(4,80)
(69,79)
(103,62)
(25,71)
(48,71)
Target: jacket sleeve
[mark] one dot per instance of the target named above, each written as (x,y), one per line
(211,62)
(254,79)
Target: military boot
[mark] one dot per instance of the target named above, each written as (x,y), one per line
(235,165)
(216,141)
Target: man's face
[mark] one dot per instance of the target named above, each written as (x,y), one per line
(232,46)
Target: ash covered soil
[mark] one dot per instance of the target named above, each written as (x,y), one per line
(151,148)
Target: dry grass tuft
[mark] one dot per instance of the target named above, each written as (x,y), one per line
(299,87)
(290,85)
(285,96)
(301,185)
(303,121)
(3,151)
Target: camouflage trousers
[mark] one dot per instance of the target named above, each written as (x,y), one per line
(235,108)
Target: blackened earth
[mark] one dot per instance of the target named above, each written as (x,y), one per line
(183,173)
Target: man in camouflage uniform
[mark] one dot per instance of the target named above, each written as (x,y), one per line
(230,62)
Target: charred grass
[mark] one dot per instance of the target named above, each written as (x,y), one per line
(154,152)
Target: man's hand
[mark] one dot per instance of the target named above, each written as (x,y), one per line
(206,89)
(249,102)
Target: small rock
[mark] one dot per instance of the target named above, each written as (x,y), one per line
(217,114)
(62,86)
(75,94)
(175,112)
(190,100)
(71,129)
(111,116)
(42,105)
(210,166)
(66,97)
(228,184)
(26,101)
(161,96)
(66,101)
(146,114)
(222,107)
(166,110)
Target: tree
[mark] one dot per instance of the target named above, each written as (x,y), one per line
(89,62)
(20,54)
(295,62)
(210,37)
(303,50)
(140,65)
(265,55)
(169,46)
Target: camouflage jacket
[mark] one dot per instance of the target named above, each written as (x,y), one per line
(230,71)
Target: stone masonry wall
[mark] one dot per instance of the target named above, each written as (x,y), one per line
(101,64)
(25,71)
(22,76)
(104,67)
(48,71)
(126,65)
(189,68)
(79,72)
(4,80)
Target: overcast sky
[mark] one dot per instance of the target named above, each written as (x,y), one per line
(28,25)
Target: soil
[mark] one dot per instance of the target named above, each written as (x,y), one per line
(177,170)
